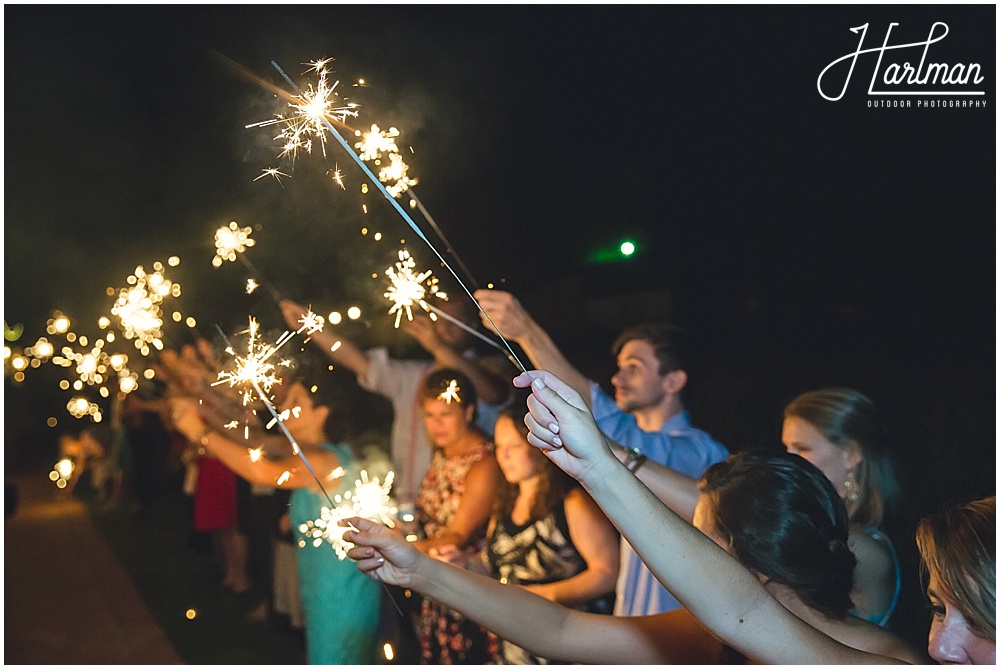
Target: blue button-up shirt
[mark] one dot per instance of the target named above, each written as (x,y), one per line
(678,445)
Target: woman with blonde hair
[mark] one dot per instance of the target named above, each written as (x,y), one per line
(958,556)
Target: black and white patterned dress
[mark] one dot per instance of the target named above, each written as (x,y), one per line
(538,552)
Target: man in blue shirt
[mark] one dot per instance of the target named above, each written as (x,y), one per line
(646,416)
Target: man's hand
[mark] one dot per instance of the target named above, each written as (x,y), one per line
(507,314)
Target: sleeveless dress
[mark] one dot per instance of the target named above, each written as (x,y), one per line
(882,619)
(537,552)
(341,604)
(447,637)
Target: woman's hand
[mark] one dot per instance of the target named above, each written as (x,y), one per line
(382,553)
(560,424)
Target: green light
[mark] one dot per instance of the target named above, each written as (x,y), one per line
(627,248)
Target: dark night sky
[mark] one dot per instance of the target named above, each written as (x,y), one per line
(804,242)
(780,223)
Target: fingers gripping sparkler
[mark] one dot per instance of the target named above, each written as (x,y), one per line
(402,212)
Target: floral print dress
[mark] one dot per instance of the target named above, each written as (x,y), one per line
(447,637)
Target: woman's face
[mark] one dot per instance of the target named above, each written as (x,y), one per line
(447,422)
(303,414)
(802,438)
(951,639)
(514,453)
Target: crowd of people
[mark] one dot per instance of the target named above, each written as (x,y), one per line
(554,523)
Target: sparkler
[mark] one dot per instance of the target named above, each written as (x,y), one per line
(376,143)
(407,289)
(312,110)
(451,392)
(369,499)
(255,373)
(138,307)
(399,209)
(231,241)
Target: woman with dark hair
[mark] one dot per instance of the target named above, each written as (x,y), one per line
(959,558)
(546,534)
(453,508)
(341,610)
(839,431)
(774,513)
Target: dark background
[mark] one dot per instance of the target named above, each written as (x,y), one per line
(804,242)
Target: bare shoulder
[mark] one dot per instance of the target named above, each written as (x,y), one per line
(869,551)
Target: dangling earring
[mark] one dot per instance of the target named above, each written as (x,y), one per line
(851,487)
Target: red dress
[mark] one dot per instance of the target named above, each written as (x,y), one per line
(214,496)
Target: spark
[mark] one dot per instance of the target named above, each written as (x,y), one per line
(338,177)
(138,306)
(230,240)
(252,286)
(407,288)
(314,106)
(284,477)
(451,392)
(254,371)
(376,142)
(395,175)
(273,171)
(255,453)
(370,499)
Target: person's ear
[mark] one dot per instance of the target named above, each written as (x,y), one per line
(324,413)
(675,381)
(852,455)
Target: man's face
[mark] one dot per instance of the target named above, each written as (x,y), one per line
(450,334)
(638,383)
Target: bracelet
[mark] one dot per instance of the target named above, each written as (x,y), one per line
(634,459)
(203,439)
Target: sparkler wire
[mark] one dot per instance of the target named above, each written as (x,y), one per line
(448,244)
(281,425)
(467,328)
(406,217)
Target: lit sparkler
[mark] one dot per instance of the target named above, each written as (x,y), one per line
(369,499)
(138,306)
(451,392)
(323,121)
(311,110)
(229,241)
(407,289)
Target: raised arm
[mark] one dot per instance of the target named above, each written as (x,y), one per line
(290,471)
(339,349)
(726,597)
(515,323)
(677,491)
(490,387)
(542,627)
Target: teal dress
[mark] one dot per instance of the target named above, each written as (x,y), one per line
(341,604)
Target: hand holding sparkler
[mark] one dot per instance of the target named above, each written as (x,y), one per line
(382,553)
